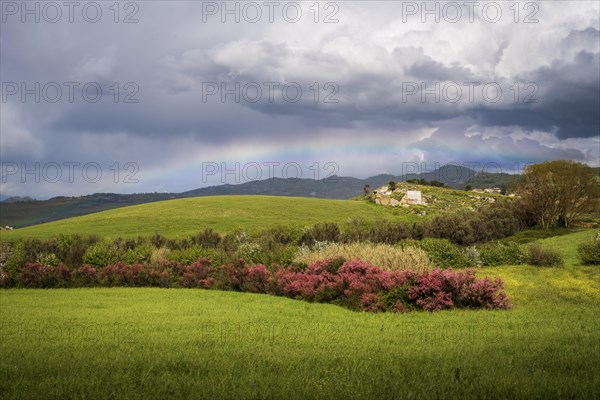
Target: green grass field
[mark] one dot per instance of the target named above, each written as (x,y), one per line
(175,343)
(184,217)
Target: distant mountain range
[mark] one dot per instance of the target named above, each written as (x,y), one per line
(19,212)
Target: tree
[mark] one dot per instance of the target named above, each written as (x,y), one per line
(468,188)
(392,185)
(557,192)
(503,189)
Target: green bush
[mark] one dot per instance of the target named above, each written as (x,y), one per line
(6,250)
(102,254)
(543,257)
(497,253)
(48,259)
(209,239)
(443,253)
(140,254)
(191,254)
(15,261)
(72,248)
(280,254)
(322,232)
(279,234)
(589,253)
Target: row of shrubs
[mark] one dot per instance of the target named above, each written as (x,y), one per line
(429,253)
(492,222)
(279,244)
(422,254)
(354,284)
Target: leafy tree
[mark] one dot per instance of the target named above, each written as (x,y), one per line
(392,185)
(503,189)
(557,192)
(468,188)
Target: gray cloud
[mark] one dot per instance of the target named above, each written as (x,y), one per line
(371,56)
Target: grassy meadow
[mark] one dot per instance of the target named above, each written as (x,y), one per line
(184,217)
(144,343)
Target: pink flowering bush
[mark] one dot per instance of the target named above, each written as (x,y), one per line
(439,289)
(121,274)
(371,302)
(258,279)
(36,275)
(196,275)
(86,276)
(361,286)
(315,283)
(354,284)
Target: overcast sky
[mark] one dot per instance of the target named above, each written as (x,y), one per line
(292,89)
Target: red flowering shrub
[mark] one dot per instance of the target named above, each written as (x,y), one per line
(371,302)
(121,274)
(484,293)
(258,279)
(432,292)
(159,276)
(355,284)
(438,289)
(231,276)
(36,275)
(315,283)
(196,275)
(359,285)
(357,278)
(86,276)
(113,275)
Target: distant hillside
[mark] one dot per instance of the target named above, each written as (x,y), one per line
(22,213)
(490,180)
(25,213)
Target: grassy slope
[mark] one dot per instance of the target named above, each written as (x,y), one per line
(158,343)
(225,213)
(222,213)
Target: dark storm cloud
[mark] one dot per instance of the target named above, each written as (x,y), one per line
(370,57)
(568,99)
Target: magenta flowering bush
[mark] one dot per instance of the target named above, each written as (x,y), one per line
(439,289)
(315,283)
(86,276)
(361,286)
(196,275)
(354,284)
(258,279)
(36,275)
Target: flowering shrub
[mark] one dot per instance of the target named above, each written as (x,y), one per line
(355,284)
(440,289)
(86,276)
(258,279)
(315,283)
(371,302)
(361,286)
(36,275)
(196,275)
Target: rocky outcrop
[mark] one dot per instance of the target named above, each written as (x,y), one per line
(398,197)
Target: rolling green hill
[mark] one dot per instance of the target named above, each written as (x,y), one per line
(20,212)
(183,217)
(222,213)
